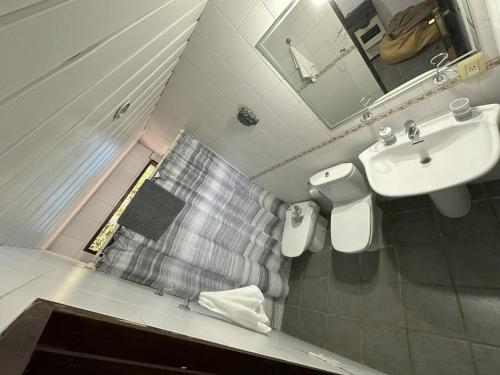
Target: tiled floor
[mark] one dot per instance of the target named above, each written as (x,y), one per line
(426,304)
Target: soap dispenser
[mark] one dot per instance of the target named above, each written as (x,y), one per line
(387,135)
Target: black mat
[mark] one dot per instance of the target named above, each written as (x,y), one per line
(151,211)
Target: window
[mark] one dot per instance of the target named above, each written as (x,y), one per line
(110,226)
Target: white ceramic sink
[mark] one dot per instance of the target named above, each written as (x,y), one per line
(459,152)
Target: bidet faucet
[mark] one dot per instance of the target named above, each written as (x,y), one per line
(412,130)
(297,211)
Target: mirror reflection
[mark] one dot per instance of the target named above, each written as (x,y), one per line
(343,55)
(398,38)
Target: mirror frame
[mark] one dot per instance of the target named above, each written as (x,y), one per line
(471,32)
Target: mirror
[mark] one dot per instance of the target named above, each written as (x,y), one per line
(344,57)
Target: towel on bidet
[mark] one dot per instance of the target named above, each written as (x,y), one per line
(243,306)
(306,68)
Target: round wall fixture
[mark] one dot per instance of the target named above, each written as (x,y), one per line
(122,109)
(247,117)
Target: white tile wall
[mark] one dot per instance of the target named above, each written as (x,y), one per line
(87,221)
(492,11)
(221,69)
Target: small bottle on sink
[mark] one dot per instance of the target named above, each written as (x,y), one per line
(387,135)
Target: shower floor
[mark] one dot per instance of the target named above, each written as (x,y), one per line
(426,303)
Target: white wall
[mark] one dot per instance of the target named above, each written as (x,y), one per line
(66,67)
(386,9)
(220,70)
(347,6)
(493,8)
(85,223)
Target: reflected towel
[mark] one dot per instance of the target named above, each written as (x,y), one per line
(243,306)
(306,68)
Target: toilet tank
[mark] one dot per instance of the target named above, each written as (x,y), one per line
(341,183)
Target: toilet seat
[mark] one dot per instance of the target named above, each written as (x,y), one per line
(352,226)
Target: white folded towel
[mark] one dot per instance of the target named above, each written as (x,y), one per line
(243,306)
(306,68)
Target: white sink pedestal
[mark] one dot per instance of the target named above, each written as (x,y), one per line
(452,202)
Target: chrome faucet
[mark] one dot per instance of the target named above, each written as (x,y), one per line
(441,77)
(297,211)
(365,113)
(412,130)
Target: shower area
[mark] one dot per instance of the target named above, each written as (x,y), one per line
(201,225)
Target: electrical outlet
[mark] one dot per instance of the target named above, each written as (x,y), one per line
(471,66)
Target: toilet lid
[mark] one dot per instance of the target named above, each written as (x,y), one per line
(351,226)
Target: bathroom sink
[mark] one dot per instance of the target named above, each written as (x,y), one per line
(447,154)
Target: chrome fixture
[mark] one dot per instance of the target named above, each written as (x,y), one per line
(412,130)
(440,77)
(297,211)
(366,114)
(161,290)
(387,135)
(185,305)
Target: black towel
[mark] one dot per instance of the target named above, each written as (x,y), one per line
(151,211)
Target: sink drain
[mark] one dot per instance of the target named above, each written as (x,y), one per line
(425,160)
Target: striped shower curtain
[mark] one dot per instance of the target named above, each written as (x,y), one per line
(228,234)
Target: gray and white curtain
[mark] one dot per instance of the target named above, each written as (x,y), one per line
(228,234)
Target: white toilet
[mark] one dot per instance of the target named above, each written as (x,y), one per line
(305,229)
(356,222)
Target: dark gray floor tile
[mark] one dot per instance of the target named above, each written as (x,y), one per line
(290,320)
(423,264)
(477,191)
(415,228)
(479,224)
(381,265)
(295,292)
(492,188)
(487,359)
(315,294)
(345,267)
(385,348)
(312,326)
(475,264)
(406,204)
(495,203)
(319,263)
(481,308)
(299,265)
(381,302)
(388,229)
(436,355)
(343,336)
(344,298)
(384,205)
(432,309)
